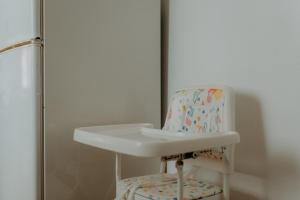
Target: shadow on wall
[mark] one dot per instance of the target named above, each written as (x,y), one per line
(251,153)
(236,195)
(284,175)
(164,57)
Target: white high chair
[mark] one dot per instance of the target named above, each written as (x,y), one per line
(198,129)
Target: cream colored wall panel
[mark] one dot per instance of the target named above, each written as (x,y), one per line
(102,67)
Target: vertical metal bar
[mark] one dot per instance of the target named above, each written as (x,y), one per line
(43,157)
(229,162)
(226,190)
(163,166)
(179,167)
(42,133)
(118,169)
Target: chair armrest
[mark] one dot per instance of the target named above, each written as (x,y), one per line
(208,140)
(136,140)
(92,134)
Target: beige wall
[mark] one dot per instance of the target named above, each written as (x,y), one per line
(254,47)
(102,67)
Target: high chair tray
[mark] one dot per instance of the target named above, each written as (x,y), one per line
(144,141)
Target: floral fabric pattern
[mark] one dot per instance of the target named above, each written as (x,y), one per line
(197,111)
(164,187)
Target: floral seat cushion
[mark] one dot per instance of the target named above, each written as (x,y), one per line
(164,187)
(197,111)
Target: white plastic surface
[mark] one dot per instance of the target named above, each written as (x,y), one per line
(147,142)
(19,21)
(20,123)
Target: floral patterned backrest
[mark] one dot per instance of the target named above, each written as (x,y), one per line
(197,111)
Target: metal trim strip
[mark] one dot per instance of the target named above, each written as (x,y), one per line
(21,44)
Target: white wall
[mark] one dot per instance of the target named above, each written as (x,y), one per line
(102,67)
(253,46)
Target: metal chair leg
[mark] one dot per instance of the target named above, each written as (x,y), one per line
(163,166)
(118,170)
(179,167)
(226,190)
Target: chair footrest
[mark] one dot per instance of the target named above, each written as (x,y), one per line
(164,186)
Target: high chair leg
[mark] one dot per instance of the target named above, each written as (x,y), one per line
(118,169)
(226,190)
(179,167)
(163,166)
